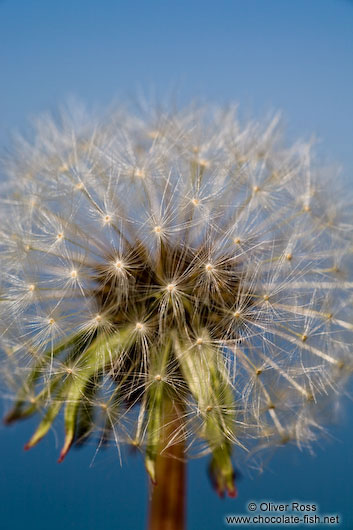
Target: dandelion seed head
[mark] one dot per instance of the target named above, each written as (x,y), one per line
(189,260)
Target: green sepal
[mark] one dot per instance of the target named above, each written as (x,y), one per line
(45,424)
(222,471)
(203,369)
(71,392)
(20,411)
(102,351)
(155,407)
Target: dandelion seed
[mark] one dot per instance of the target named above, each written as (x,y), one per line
(140,173)
(157,229)
(119,265)
(203,162)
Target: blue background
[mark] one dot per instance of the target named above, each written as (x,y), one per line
(295,55)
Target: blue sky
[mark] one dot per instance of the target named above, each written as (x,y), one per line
(292,55)
(296,56)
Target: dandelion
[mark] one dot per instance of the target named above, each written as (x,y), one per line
(176,282)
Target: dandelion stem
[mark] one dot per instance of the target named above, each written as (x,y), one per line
(167,502)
